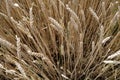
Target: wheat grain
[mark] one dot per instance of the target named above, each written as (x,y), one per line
(83,15)
(20,69)
(101,33)
(16,5)
(12,19)
(4,15)
(58,26)
(54,6)
(9,58)
(27,48)
(43,8)
(116,2)
(17,78)
(103,9)
(56,23)
(1,66)
(8,71)
(65,76)
(61,3)
(31,17)
(73,14)
(36,54)
(106,39)
(74,23)
(117,53)
(114,19)
(52,25)
(11,71)
(22,28)
(18,47)
(111,62)
(29,51)
(94,14)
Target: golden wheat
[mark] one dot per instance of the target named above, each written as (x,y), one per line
(59,39)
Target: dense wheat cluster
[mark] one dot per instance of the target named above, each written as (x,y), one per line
(59,40)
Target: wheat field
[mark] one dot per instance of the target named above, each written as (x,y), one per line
(59,40)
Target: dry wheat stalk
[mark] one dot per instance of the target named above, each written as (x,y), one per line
(93,46)
(6,43)
(4,15)
(62,50)
(8,8)
(119,8)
